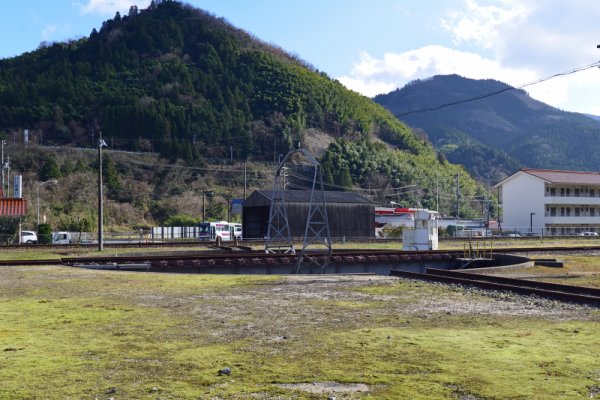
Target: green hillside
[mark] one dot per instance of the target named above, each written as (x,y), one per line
(510,127)
(179,80)
(176,81)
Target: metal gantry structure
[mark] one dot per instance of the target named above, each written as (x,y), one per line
(316,232)
(279,239)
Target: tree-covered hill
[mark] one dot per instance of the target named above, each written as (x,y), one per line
(510,127)
(177,81)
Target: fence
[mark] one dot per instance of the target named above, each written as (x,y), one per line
(530,232)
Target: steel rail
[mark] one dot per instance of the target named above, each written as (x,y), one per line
(48,261)
(519,287)
(242,252)
(517,282)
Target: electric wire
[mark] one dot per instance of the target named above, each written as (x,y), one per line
(486,95)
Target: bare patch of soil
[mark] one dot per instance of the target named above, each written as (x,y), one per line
(327,387)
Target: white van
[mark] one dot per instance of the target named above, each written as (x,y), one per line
(61,238)
(28,237)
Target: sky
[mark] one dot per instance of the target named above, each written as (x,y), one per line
(377,46)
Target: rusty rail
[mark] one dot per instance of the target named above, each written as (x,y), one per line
(567,293)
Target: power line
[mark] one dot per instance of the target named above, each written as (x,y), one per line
(483,96)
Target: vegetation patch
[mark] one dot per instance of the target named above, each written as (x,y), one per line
(72,333)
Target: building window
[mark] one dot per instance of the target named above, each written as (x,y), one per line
(562,191)
(568,192)
(568,212)
(576,192)
(553,211)
(552,191)
(591,192)
(592,212)
(562,211)
(577,211)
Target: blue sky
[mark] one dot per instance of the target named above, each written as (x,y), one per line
(376,46)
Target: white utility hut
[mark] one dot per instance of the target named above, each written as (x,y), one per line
(424,235)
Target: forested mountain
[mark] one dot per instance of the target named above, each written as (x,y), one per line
(510,128)
(177,81)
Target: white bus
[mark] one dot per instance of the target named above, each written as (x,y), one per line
(236,231)
(215,231)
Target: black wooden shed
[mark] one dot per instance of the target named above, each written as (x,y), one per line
(350,215)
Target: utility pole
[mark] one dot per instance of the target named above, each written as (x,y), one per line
(245,180)
(457,197)
(489,205)
(284,176)
(437,191)
(101,144)
(7,166)
(2,142)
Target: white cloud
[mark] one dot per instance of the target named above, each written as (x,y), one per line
(547,35)
(371,75)
(523,41)
(368,88)
(577,92)
(110,7)
(49,31)
(484,25)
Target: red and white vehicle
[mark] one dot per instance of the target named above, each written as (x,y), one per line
(215,231)
(394,216)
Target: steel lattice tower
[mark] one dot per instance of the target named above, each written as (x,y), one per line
(316,232)
(279,239)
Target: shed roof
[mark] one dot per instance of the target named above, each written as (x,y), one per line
(303,196)
(13,207)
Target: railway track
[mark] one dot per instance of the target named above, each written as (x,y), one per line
(568,293)
(243,257)
(244,254)
(260,242)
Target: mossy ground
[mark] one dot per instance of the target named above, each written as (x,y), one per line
(68,333)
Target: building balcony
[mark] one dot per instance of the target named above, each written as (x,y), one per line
(572,200)
(572,220)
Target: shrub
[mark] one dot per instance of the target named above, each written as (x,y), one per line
(44,234)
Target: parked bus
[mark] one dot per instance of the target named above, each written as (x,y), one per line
(236,231)
(215,231)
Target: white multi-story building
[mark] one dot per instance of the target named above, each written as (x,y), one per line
(550,202)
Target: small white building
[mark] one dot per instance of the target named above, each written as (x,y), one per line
(550,202)
(424,234)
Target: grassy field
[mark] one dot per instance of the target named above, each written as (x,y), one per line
(69,333)
(580,270)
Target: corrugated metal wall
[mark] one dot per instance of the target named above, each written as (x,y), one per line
(347,220)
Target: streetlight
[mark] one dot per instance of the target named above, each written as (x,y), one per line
(205,193)
(101,144)
(531,223)
(53,181)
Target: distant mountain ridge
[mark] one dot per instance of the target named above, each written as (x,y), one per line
(596,117)
(494,136)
